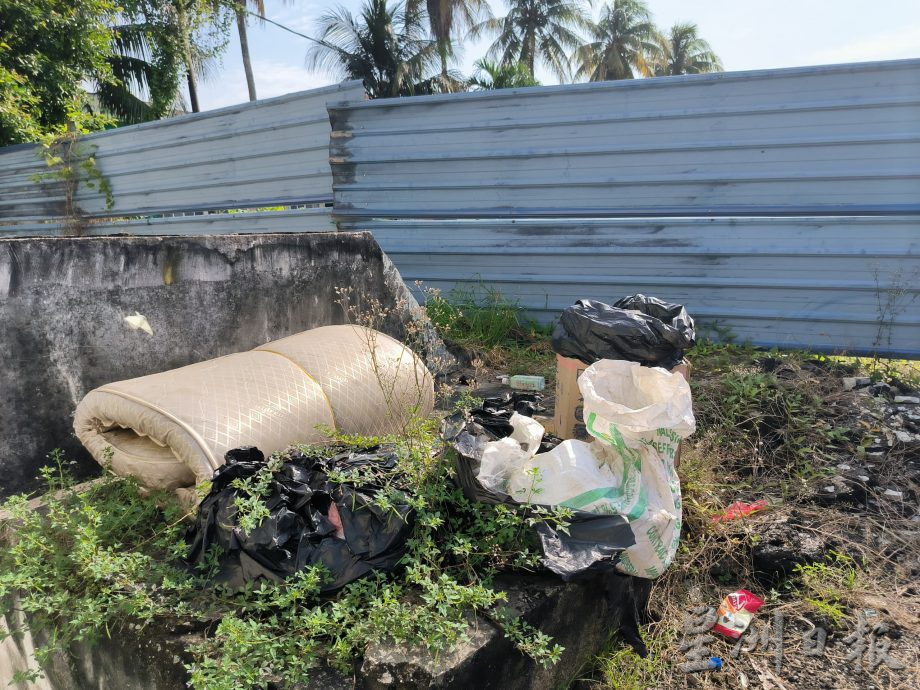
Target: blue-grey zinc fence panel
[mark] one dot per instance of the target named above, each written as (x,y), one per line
(266,153)
(841,139)
(842,284)
(779,205)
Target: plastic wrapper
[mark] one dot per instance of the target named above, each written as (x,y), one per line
(312,520)
(736,612)
(637,416)
(594,541)
(636,328)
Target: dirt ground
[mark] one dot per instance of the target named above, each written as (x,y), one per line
(838,547)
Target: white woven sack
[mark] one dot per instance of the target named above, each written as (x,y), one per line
(639,414)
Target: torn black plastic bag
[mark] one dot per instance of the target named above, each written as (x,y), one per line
(490,422)
(636,328)
(594,541)
(306,511)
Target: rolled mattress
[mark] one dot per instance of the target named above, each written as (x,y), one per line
(172,429)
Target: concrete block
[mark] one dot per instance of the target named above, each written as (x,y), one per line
(63,302)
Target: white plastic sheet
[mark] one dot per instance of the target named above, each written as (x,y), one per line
(637,416)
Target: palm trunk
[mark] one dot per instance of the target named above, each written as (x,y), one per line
(443,52)
(528,51)
(190,75)
(244,48)
(192,91)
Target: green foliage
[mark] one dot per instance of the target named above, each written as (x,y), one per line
(905,371)
(826,587)
(492,75)
(621,45)
(93,559)
(99,557)
(682,51)
(50,47)
(387,46)
(623,669)
(765,412)
(492,330)
(249,503)
(479,315)
(528,639)
(536,31)
(20,107)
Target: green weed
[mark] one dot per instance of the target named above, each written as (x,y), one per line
(827,587)
(96,559)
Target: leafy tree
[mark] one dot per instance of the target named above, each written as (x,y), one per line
(490,75)
(203,33)
(446,18)
(622,43)
(386,46)
(20,109)
(536,30)
(682,51)
(49,48)
(146,63)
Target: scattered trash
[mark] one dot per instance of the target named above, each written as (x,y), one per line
(736,612)
(527,383)
(593,541)
(636,328)
(138,322)
(740,509)
(626,472)
(311,521)
(854,382)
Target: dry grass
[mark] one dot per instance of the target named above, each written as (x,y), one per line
(773,425)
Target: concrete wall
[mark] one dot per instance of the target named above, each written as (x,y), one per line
(63,303)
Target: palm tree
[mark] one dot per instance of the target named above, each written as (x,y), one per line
(622,43)
(490,75)
(446,17)
(387,47)
(535,30)
(684,52)
(240,10)
(147,67)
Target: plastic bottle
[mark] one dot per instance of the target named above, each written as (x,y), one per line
(528,383)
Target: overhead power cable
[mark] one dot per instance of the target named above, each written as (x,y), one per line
(281,26)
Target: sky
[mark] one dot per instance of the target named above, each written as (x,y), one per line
(746,34)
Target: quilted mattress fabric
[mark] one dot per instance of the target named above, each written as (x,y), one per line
(172,429)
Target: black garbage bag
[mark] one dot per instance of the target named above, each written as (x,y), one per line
(593,543)
(311,521)
(636,328)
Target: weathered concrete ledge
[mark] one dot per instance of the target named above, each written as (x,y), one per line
(63,302)
(579,616)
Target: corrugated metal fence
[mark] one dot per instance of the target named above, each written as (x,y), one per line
(268,153)
(783,205)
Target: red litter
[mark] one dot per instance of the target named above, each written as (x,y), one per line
(736,612)
(740,509)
